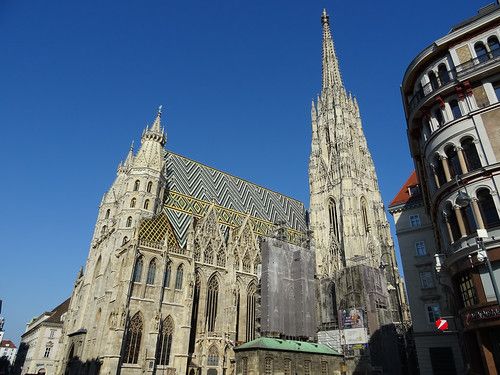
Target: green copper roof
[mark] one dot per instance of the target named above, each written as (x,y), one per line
(268,343)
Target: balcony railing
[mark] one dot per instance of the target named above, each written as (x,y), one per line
(444,78)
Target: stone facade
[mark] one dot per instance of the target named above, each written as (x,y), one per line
(348,219)
(171,281)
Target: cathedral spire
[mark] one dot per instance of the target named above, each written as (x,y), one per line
(155,132)
(331,72)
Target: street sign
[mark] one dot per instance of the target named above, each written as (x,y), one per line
(441,324)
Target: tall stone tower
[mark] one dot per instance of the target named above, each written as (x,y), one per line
(347,213)
(355,259)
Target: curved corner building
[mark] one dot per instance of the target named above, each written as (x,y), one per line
(451,96)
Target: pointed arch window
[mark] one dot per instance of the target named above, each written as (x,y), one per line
(251,301)
(221,257)
(165,342)
(129,222)
(108,211)
(151,272)
(212,299)
(247,264)
(208,255)
(197,251)
(150,186)
(168,271)
(364,216)
(138,270)
(146,204)
(179,276)
(125,240)
(332,212)
(194,312)
(137,184)
(132,202)
(487,207)
(213,356)
(133,338)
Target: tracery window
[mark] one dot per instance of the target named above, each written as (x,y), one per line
(247,262)
(221,257)
(137,183)
(132,203)
(146,204)
(129,222)
(138,270)
(150,186)
(179,276)
(487,207)
(208,255)
(165,342)
(251,301)
(213,356)
(151,272)
(133,338)
(332,211)
(212,300)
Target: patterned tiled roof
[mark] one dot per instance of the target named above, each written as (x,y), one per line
(193,186)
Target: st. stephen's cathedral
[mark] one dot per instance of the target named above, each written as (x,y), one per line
(182,266)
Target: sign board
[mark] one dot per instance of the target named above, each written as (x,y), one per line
(441,324)
(352,318)
(355,336)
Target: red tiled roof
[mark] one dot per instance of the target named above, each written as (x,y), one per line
(7,344)
(403,196)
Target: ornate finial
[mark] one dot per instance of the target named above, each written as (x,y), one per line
(159,109)
(324,17)
(132,146)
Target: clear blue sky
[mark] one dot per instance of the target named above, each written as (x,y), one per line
(80,80)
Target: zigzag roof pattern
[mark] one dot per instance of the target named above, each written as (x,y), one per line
(204,183)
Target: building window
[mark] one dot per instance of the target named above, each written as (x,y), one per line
(438,170)
(444,77)
(332,211)
(137,183)
(420,249)
(251,301)
(213,356)
(47,352)
(247,264)
(146,204)
(324,368)
(487,207)
(138,270)
(481,52)
(197,251)
(268,366)
(133,339)
(453,162)
(168,271)
(433,80)
(438,115)
(470,154)
(212,299)
(244,366)
(125,240)
(108,211)
(414,221)
(455,109)
(165,342)
(179,276)
(364,216)
(496,87)
(132,203)
(494,46)
(129,222)
(307,367)
(221,257)
(150,186)
(426,280)
(151,272)
(52,333)
(433,312)
(467,290)
(450,219)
